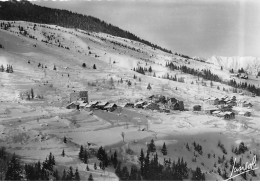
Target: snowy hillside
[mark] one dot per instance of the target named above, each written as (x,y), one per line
(250,64)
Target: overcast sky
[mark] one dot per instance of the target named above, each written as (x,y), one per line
(193,27)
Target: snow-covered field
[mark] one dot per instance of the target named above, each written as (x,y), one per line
(34,128)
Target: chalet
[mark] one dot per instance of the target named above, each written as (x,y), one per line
(248,104)
(83,95)
(197,108)
(210,110)
(231,103)
(222,101)
(129,105)
(245,113)
(140,104)
(221,114)
(151,106)
(110,107)
(171,101)
(82,104)
(225,108)
(101,105)
(74,96)
(244,104)
(213,101)
(215,113)
(159,98)
(151,97)
(177,106)
(73,105)
(243,76)
(91,105)
(229,115)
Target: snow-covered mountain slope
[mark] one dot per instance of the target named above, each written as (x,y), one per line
(250,64)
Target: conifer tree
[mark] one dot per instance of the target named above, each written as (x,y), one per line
(149,87)
(141,160)
(64,139)
(56,175)
(14,170)
(77,177)
(63,153)
(95,166)
(151,146)
(81,153)
(94,67)
(70,175)
(164,149)
(90,178)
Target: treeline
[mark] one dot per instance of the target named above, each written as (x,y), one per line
(243,85)
(205,74)
(8,69)
(188,57)
(142,70)
(12,169)
(152,170)
(208,75)
(26,11)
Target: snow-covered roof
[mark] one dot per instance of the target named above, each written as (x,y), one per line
(102,103)
(110,105)
(215,112)
(228,112)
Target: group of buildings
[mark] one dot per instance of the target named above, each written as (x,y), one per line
(223,107)
(79,100)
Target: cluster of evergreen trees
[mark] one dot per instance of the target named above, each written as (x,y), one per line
(9,69)
(45,171)
(242,148)
(197,147)
(152,170)
(243,85)
(83,154)
(221,146)
(69,175)
(26,11)
(142,70)
(41,171)
(207,75)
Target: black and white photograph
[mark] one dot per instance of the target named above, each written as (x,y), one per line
(129,90)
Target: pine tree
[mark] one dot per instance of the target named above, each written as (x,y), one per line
(164,149)
(149,87)
(14,170)
(84,65)
(90,178)
(70,175)
(141,160)
(54,67)
(94,67)
(64,139)
(85,159)
(125,174)
(77,177)
(95,166)
(56,175)
(150,69)
(151,146)
(87,168)
(64,175)
(115,159)
(81,153)
(63,153)
(146,166)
